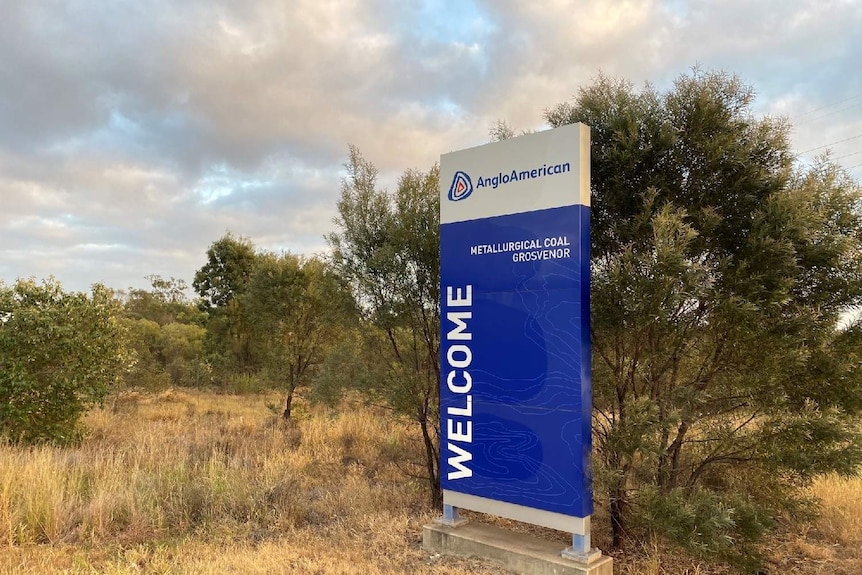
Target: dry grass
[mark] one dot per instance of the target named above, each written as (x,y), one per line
(833,542)
(189,482)
(841,518)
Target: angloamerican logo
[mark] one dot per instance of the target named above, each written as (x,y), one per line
(462,185)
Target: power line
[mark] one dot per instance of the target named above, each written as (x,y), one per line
(830,105)
(818,118)
(832,144)
(848,155)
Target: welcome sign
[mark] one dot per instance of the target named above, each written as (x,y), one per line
(515,340)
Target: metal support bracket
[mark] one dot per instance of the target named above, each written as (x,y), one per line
(580,550)
(451,517)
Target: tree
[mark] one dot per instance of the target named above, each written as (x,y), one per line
(146,367)
(386,249)
(722,380)
(224,276)
(59,353)
(295,306)
(182,354)
(164,303)
(220,283)
(165,336)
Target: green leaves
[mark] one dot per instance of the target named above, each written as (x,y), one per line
(295,308)
(386,249)
(720,276)
(223,277)
(220,283)
(706,523)
(59,353)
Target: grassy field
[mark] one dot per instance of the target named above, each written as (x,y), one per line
(189,482)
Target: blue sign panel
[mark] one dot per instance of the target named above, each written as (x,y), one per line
(515,354)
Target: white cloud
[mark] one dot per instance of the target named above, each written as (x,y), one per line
(133,134)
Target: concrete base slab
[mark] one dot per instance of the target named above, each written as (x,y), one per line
(515,551)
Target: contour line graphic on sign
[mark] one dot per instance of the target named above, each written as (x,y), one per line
(545,296)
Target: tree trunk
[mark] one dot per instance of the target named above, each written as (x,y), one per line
(287,404)
(618,516)
(432,464)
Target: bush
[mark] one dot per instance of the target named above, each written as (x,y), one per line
(59,352)
(708,525)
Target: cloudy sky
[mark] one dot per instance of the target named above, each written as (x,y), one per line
(133,133)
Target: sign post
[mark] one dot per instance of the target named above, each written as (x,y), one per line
(515,396)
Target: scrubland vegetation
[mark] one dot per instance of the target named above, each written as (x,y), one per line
(194,482)
(287,418)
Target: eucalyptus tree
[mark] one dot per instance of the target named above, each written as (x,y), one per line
(296,308)
(220,282)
